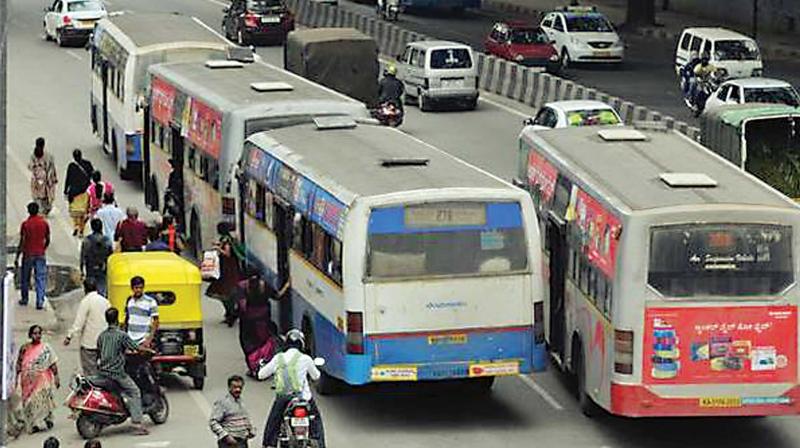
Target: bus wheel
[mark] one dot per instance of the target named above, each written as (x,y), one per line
(585,402)
(326,385)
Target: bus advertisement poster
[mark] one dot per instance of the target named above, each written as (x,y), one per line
(542,174)
(162,100)
(599,232)
(748,344)
(205,128)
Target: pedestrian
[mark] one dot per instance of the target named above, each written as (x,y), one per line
(37,379)
(131,232)
(97,190)
(93,443)
(256,329)
(141,314)
(51,442)
(43,177)
(89,321)
(95,250)
(79,176)
(33,243)
(112,344)
(231,256)
(168,232)
(110,215)
(156,243)
(229,420)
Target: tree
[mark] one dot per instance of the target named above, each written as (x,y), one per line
(641,13)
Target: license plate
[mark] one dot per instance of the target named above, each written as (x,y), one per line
(191,350)
(720,402)
(86,23)
(447,339)
(602,54)
(451,83)
(299,421)
(270,19)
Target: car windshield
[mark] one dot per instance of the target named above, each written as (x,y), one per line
(735,50)
(774,95)
(87,5)
(451,58)
(588,24)
(263,5)
(701,260)
(592,117)
(529,36)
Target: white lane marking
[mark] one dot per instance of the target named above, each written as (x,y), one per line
(161,444)
(75,55)
(217,2)
(542,392)
(201,402)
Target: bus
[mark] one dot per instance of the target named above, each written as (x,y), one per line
(405,263)
(198,116)
(672,275)
(122,47)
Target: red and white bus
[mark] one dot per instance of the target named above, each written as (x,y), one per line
(672,286)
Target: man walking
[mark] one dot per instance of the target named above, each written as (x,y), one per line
(141,314)
(111,347)
(89,322)
(95,251)
(110,215)
(131,232)
(33,242)
(229,419)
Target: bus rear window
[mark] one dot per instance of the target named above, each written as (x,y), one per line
(446,239)
(701,260)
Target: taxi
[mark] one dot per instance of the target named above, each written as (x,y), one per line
(574,113)
(582,34)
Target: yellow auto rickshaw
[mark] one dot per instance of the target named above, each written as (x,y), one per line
(175,284)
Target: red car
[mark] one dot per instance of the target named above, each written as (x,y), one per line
(522,43)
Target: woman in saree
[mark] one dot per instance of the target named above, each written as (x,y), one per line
(231,255)
(256,329)
(43,177)
(37,380)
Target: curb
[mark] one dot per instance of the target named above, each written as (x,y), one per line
(529,86)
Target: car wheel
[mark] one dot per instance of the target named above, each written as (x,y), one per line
(423,102)
(565,59)
(240,39)
(45,36)
(59,38)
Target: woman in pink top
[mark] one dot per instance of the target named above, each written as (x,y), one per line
(96,190)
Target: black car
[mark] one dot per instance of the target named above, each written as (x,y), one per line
(257,21)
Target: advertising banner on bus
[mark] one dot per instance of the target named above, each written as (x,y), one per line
(720,345)
(599,232)
(162,100)
(542,175)
(205,128)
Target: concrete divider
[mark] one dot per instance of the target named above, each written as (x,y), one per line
(497,76)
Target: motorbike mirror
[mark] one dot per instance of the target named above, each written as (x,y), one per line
(528,122)
(319,362)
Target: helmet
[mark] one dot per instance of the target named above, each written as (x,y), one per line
(295,338)
(391,70)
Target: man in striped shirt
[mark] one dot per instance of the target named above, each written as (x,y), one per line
(111,347)
(229,420)
(141,314)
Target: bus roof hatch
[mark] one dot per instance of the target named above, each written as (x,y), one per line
(271,86)
(223,63)
(621,135)
(688,180)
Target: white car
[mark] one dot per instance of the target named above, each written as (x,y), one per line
(753,90)
(582,34)
(72,21)
(563,114)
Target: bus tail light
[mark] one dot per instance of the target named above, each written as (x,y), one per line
(355,333)
(538,322)
(623,352)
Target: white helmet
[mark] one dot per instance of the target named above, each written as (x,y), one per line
(295,337)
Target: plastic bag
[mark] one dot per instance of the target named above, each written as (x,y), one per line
(210,266)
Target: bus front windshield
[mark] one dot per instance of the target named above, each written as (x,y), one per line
(705,260)
(446,239)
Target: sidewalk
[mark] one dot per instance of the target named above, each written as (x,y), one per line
(773,45)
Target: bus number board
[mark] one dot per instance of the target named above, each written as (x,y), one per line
(445,215)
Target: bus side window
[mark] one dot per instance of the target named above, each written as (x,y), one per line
(607,298)
(561,196)
(584,280)
(260,200)
(336,260)
(593,289)
(268,208)
(303,239)
(191,158)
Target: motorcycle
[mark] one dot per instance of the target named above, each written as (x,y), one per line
(390,10)
(695,99)
(389,113)
(295,431)
(97,403)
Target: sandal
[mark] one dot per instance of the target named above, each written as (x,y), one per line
(140,431)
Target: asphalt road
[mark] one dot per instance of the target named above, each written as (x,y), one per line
(648,61)
(49,89)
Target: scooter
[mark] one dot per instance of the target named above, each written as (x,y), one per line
(703,89)
(389,114)
(96,402)
(390,11)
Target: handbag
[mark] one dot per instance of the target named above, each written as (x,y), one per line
(210,266)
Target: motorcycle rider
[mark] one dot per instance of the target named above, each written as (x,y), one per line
(391,89)
(702,72)
(112,345)
(291,369)
(687,72)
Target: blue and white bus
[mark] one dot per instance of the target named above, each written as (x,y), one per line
(405,263)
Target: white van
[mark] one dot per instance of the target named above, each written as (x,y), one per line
(736,53)
(436,71)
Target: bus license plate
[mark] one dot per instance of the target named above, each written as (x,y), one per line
(299,421)
(191,350)
(447,339)
(270,19)
(720,402)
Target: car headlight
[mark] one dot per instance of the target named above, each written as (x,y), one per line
(519,58)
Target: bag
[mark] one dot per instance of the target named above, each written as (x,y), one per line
(210,266)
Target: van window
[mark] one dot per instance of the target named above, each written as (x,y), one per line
(701,260)
(735,50)
(696,43)
(421,59)
(451,58)
(685,41)
(412,59)
(706,48)
(558,25)
(735,94)
(548,22)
